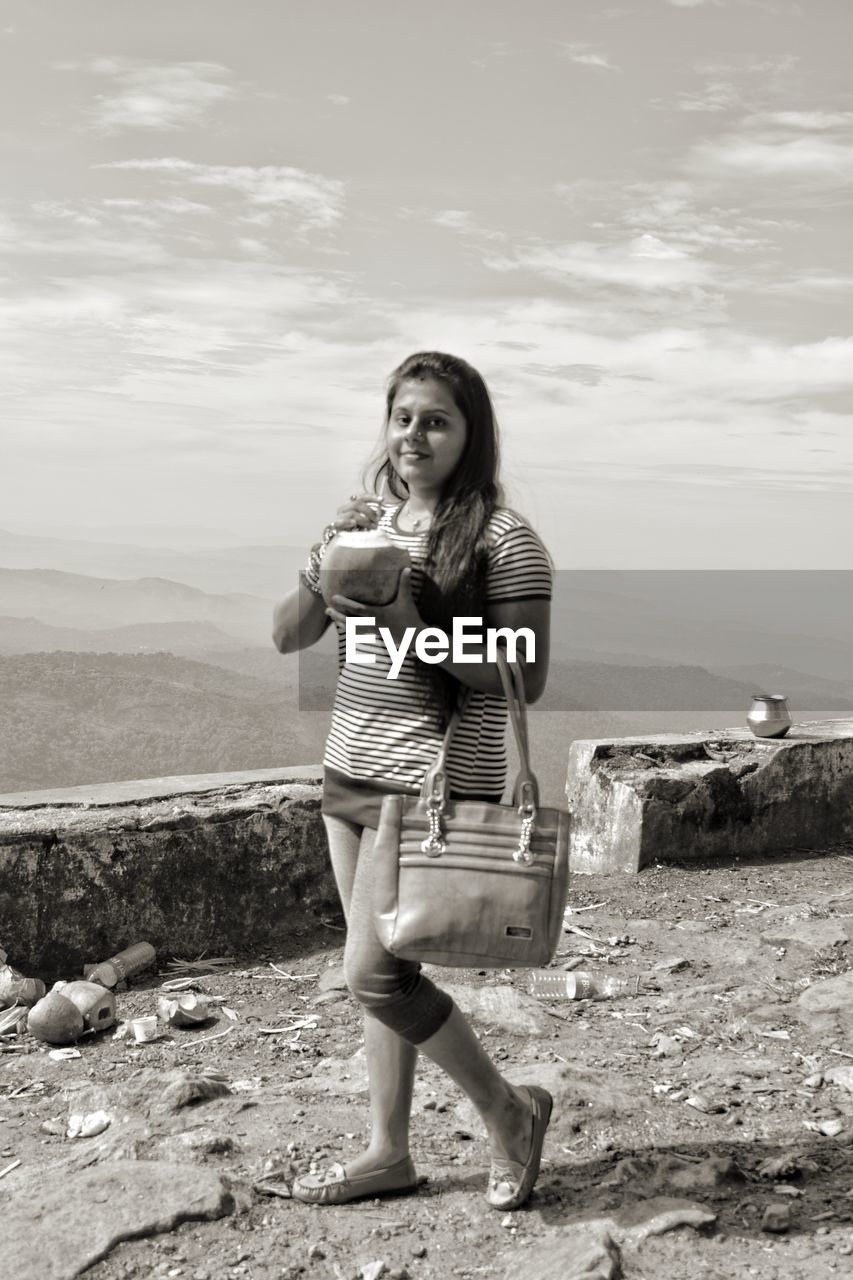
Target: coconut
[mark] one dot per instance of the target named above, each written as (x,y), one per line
(362,565)
(56,1019)
(97,1005)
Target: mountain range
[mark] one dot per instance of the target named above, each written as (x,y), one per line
(106,675)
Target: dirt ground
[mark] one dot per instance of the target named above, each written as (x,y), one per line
(706,1087)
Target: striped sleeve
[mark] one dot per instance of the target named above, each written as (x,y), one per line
(519,566)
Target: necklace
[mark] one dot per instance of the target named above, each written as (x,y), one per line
(416,524)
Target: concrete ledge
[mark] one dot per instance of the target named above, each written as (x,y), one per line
(674,797)
(211,862)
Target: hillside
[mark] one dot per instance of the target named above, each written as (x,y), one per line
(82,602)
(266,570)
(71,718)
(187,639)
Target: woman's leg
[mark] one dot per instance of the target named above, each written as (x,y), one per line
(390,1059)
(409,1004)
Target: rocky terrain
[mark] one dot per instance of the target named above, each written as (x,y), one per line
(703,1127)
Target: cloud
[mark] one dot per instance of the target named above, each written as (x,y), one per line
(587,56)
(317,201)
(339,99)
(749,65)
(739,154)
(643,263)
(717,95)
(804,119)
(809,145)
(670,210)
(155,96)
(453,219)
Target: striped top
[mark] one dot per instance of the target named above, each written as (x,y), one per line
(385,733)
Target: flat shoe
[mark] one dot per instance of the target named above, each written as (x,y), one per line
(510,1181)
(335,1186)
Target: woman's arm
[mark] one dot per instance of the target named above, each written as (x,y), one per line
(299,620)
(535,615)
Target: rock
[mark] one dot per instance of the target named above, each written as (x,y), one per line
(828,1006)
(830,1128)
(635,1223)
(569,1255)
(372,1270)
(677,795)
(673,964)
(204,1142)
(163,1093)
(502,1007)
(667,1046)
(776,1217)
(65,1222)
(334,1075)
(88,1125)
(332,979)
(785,1166)
(840,1075)
(812,935)
(686,1175)
(631,1225)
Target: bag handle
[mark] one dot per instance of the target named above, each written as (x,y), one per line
(526,789)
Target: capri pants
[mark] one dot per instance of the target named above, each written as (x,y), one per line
(390,989)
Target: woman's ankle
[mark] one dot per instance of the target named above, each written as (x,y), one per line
(508,1124)
(378,1156)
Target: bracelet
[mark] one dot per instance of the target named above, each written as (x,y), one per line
(329,533)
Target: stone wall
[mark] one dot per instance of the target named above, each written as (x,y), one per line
(217,863)
(682,797)
(233,861)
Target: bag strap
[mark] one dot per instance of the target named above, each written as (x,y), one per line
(526,788)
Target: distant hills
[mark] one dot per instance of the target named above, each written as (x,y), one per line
(127,661)
(70,719)
(268,570)
(190,639)
(82,602)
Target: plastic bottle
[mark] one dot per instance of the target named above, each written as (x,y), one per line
(122,966)
(579,984)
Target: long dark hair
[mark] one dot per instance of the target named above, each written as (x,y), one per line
(456,557)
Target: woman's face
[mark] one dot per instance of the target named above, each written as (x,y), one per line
(426,435)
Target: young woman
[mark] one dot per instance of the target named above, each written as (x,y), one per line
(470,556)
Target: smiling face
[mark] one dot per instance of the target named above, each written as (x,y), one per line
(426,435)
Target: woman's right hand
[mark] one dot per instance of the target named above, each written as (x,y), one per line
(359,512)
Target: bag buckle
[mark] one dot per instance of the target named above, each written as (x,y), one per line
(527,813)
(435,845)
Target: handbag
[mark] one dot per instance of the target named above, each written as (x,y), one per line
(467,883)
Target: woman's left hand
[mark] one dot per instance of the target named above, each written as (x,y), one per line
(397,616)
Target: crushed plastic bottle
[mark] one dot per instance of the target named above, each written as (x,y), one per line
(16,989)
(122,966)
(579,984)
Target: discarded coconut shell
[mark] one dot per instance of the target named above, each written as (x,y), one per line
(56,1019)
(186,1010)
(97,1005)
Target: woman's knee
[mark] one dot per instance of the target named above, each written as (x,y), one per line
(373,976)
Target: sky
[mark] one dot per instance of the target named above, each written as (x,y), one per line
(223,224)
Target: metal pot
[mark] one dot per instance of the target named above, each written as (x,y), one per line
(769,716)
